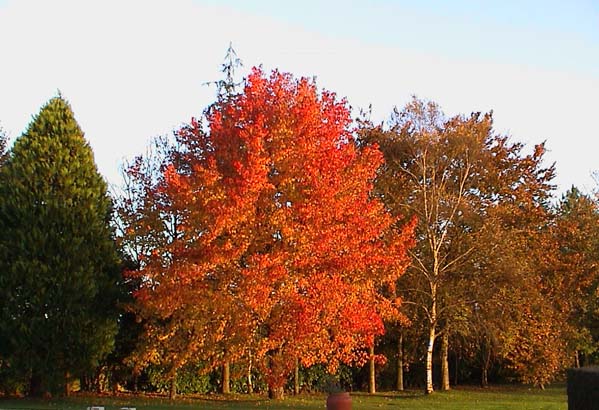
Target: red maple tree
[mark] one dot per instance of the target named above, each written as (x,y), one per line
(280,236)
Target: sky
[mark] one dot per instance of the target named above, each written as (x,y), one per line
(134,69)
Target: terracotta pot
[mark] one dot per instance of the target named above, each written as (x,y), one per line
(339,401)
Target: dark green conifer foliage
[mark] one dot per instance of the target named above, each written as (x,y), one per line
(3,144)
(58,264)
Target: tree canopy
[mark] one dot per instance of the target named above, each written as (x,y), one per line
(458,178)
(276,225)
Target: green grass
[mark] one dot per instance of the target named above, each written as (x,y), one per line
(496,398)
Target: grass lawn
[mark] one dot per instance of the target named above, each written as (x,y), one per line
(464,398)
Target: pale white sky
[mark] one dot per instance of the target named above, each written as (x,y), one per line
(134,69)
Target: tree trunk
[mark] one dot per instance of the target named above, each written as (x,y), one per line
(173,387)
(114,384)
(432,334)
(67,384)
(84,383)
(101,379)
(249,375)
(445,361)
(577,359)
(399,385)
(226,387)
(486,352)
(484,378)
(296,382)
(429,359)
(278,376)
(276,393)
(371,372)
(35,385)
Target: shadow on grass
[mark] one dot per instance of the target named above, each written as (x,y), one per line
(405,394)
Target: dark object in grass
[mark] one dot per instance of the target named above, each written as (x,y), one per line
(339,401)
(583,388)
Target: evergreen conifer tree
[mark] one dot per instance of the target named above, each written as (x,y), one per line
(58,263)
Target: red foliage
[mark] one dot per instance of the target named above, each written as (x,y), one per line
(279,224)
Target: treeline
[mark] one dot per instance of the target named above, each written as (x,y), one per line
(278,244)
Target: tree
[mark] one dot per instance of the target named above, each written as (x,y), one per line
(59,269)
(513,322)
(281,241)
(511,318)
(227,87)
(450,173)
(431,172)
(574,275)
(149,224)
